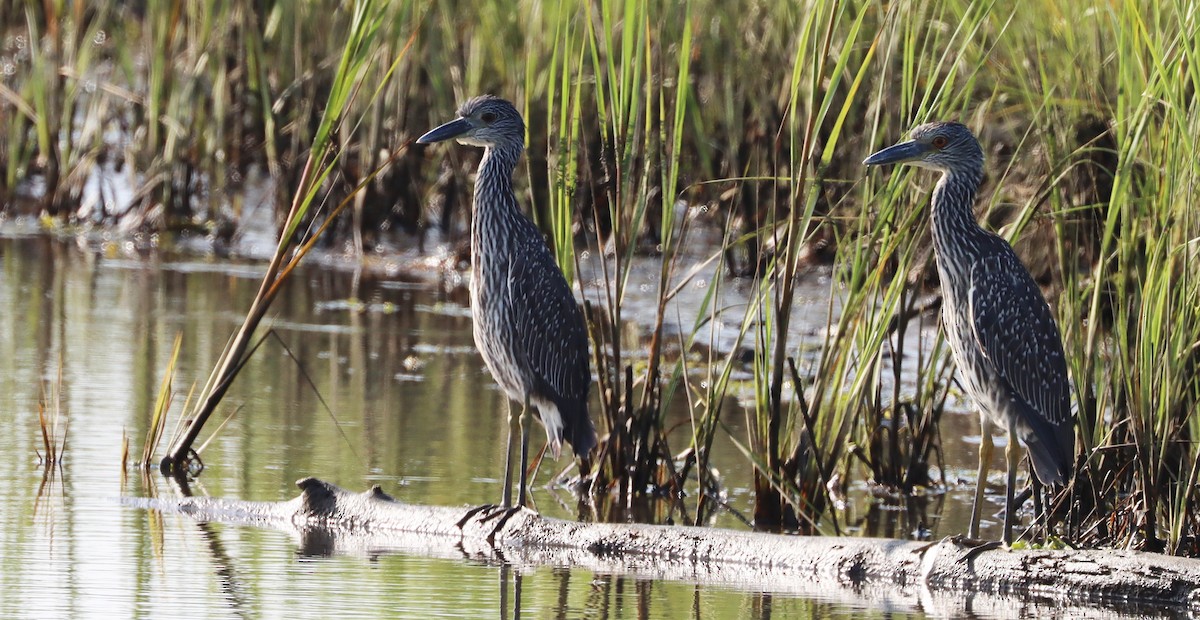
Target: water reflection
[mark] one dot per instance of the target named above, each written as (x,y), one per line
(506,575)
(233,589)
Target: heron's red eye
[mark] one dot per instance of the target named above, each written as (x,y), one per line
(940,142)
(488,117)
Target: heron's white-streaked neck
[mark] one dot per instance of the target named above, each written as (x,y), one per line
(493,181)
(496,219)
(955,229)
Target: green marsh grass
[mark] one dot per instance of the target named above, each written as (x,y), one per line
(648,122)
(156,432)
(639,120)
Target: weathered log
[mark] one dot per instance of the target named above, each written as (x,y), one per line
(894,573)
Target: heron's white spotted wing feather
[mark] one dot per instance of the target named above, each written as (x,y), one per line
(550,323)
(1018,336)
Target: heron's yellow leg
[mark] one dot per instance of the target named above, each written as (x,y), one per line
(526,420)
(513,421)
(1012,454)
(985,457)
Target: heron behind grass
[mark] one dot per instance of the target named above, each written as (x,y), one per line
(527,325)
(1004,340)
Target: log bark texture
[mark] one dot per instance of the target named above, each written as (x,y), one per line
(948,576)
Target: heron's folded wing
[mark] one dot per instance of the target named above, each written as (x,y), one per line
(550,322)
(1018,336)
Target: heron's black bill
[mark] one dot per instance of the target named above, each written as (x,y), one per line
(453,129)
(897,154)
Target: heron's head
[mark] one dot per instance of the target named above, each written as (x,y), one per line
(485,121)
(942,146)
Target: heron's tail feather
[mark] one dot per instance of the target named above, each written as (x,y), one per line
(1052,461)
(572,423)
(585,466)
(581,433)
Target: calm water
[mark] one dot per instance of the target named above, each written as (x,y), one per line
(410,407)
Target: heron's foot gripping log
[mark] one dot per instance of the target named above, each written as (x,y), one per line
(502,516)
(974,547)
(485,508)
(483,515)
